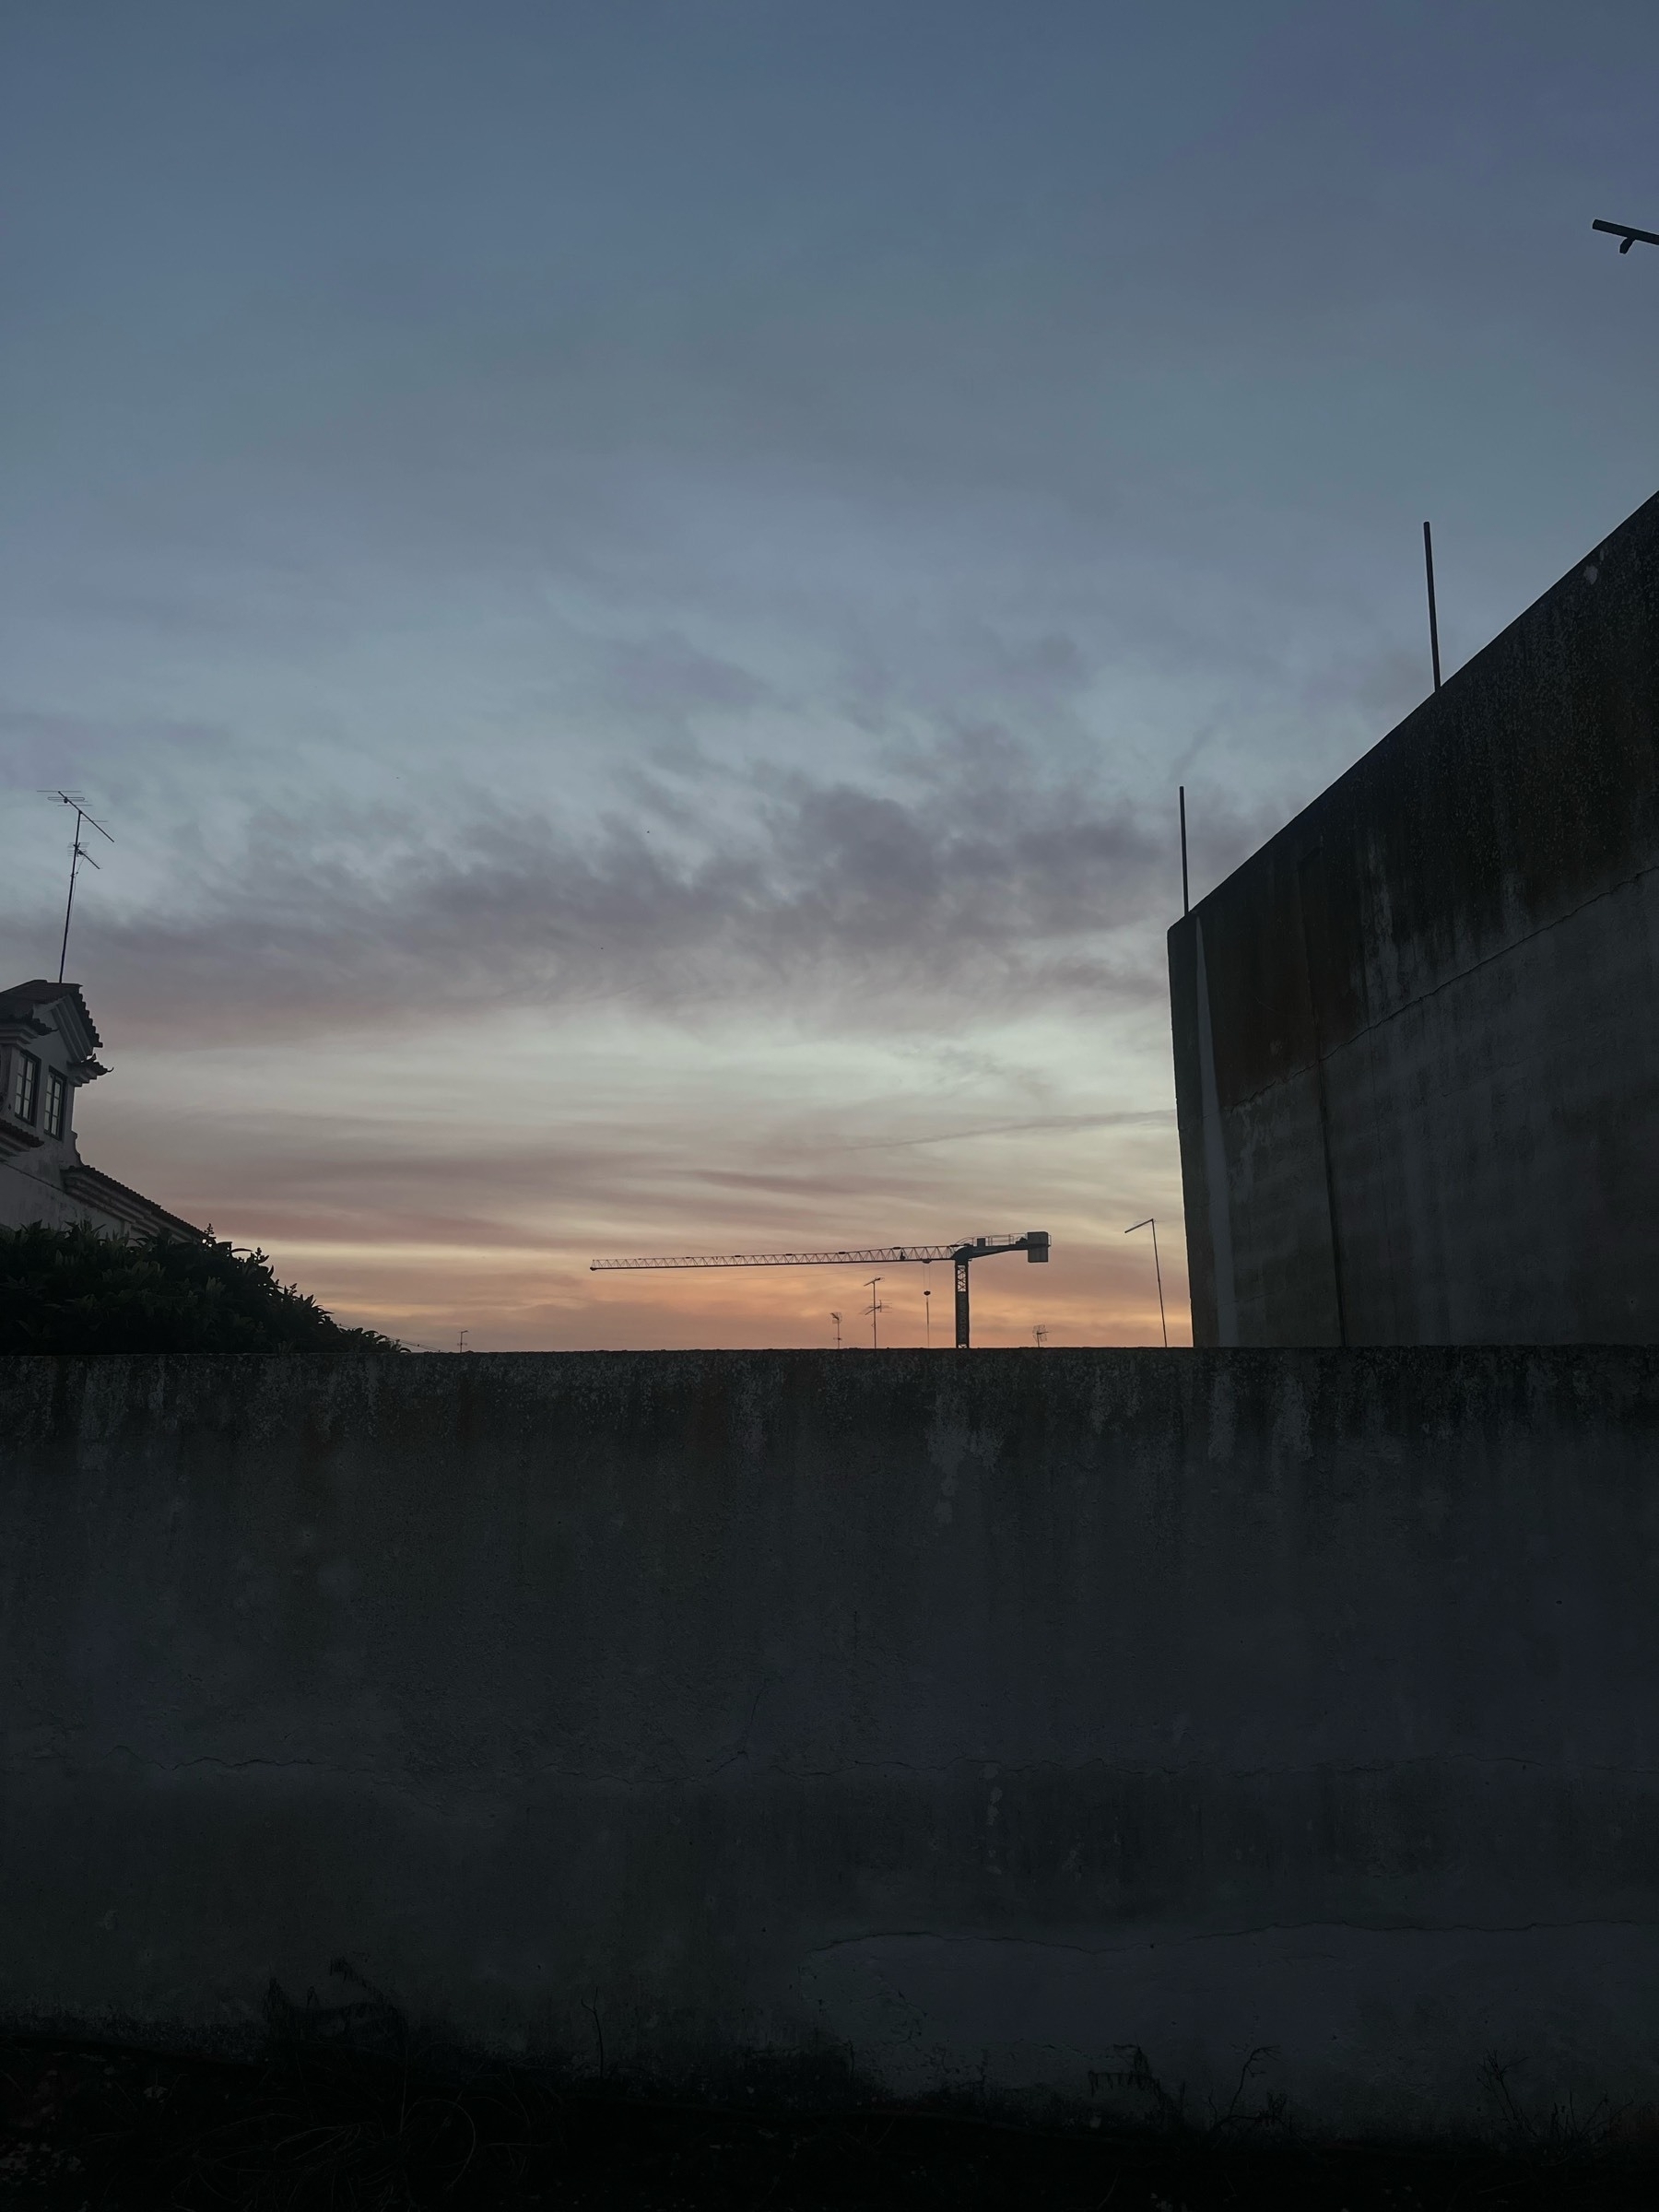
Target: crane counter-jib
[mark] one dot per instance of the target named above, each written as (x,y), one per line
(1034,1244)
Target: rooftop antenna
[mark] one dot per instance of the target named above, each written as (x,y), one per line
(927,1317)
(835,1317)
(1433,622)
(874,1308)
(77,853)
(1186,904)
(1626,236)
(1151,1222)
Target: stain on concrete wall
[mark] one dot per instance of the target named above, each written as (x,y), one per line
(1417,1074)
(968,1719)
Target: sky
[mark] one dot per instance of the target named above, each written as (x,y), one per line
(635,583)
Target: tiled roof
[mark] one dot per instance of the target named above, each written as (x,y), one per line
(21,999)
(94,1188)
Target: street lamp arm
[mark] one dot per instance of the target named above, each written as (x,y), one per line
(1628,236)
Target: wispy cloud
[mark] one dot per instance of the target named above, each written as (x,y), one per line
(1160,1117)
(970,877)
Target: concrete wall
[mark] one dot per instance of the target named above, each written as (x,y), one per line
(965,1718)
(1417,1066)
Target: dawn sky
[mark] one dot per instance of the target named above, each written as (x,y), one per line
(635,583)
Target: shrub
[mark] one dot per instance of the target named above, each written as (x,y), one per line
(74,1290)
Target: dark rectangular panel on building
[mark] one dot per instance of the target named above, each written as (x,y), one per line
(1417,1035)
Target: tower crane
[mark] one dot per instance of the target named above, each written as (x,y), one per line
(1034,1244)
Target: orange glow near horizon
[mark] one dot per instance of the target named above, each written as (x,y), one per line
(588,1141)
(1082,1297)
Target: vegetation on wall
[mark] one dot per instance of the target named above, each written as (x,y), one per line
(74,1290)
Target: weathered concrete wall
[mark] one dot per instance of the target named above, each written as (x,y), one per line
(1416,1072)
(968,1717)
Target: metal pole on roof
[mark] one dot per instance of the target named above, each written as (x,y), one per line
(1433,622)
(76,857)
(77,853)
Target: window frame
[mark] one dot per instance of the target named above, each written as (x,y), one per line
(57,1101)
(25,1100)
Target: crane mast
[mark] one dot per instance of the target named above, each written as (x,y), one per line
(1034,1244)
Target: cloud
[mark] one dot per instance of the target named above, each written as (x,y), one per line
(969,878)
(39,748)
(1159,1117)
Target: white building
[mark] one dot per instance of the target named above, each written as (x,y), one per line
(48,1049)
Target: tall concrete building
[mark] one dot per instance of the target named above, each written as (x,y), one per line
(1417,1035)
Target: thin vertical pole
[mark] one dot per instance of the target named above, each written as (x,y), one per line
(1186,904)
(75,860)
(77,853)
(875,1308)
(1433,617)
(1151,1222)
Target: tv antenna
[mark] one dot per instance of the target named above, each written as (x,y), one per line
(1034,1244)
(1151,1222)
(77,853)
(874,1308)
(835,1317)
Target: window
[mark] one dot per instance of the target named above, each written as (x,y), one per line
(26,1086)
(57,1091)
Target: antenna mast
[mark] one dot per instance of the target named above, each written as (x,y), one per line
(77,853)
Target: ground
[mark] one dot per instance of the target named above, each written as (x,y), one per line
(97,2127)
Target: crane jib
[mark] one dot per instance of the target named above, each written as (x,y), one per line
(1034,1244)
